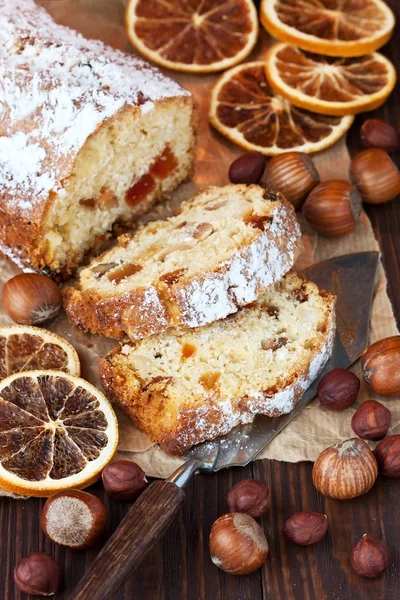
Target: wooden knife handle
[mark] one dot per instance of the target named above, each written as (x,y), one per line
(137,534)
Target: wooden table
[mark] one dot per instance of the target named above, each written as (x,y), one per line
(180,567)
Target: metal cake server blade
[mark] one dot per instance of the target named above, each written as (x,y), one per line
(352,279)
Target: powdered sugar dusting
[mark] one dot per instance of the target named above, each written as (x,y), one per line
(56,88)
(249,272)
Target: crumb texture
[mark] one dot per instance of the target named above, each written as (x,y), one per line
(259,360)
(225,247)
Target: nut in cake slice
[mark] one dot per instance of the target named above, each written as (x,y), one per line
(185,387)
(227,245)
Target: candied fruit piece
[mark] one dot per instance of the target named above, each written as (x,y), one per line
(258,221)
(164,164)
(188,350)
(209,380)
(139,190)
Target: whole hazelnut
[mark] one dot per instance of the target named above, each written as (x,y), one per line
(38,575)
(381,366)
(371,421)
(387,454)
(248,168)
(346,470)
(238,544)
(74,519)
(124,480)
(31,299)
(306,528)
(293,174)
(249,496)
(370,557)
(375,175)
(376,133)
(333,207)
(338,389)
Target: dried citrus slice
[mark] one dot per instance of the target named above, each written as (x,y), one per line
(331,27)
(56,432)
(25,348)
(331,86)
(197,36)
(245,110)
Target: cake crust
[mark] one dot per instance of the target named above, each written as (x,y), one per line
(177,421)
(207,293)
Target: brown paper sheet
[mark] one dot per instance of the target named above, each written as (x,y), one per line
(315,428)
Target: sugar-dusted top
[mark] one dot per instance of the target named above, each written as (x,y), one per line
(56,87)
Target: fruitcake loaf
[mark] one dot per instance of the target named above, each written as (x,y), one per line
(185,387)
(225,247)
(89,136)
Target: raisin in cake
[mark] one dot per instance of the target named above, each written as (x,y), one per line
(89,136)
(182,388)
(225,247)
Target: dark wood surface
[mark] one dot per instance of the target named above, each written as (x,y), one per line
(179,568)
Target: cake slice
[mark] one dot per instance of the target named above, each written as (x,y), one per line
(90,136)
(184,387)
(225,247)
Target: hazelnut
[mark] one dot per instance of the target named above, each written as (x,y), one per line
(387,454)
(31,299)
(346,470)
(375,175)
(376,133)
(74,519)
(124,480)
(293,174)
(238,544)
(333,207)
(381,366)
(249,496)
(306,528)
(370,557)
(338,389)
(38,575)
(248,168)
(371,421)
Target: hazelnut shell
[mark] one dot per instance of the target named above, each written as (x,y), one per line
(387,453)
(371,421)
(333,207)
(238,544)
(381,366)
(346,470)
(38,575)
(74,519)
(338,389)
(375,175)
(124,480)
(31,299)
(248,168)
(306,528)
(293,174)
(249,496)
(370,557)
(376,133)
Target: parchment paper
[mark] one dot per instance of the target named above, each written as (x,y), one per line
(315,428)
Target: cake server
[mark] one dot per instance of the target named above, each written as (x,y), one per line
(351,278)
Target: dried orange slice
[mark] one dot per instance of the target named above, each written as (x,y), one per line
(56,432)
(331,27)
(25,348)
(196,36)
(331,86)
(245,110)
